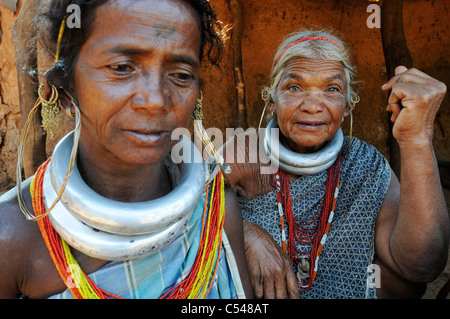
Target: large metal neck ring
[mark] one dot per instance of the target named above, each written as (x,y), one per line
(112,230)
(301,164)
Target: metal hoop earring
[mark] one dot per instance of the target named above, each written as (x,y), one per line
(351,132)
(265,96)
(354,99)
(23,136)
(200,131)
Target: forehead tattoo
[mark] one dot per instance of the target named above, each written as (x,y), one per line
(164,30)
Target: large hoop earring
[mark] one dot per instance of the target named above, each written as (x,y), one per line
(354,99)
(351,132)
(200,131)
(23,137)
(265,97)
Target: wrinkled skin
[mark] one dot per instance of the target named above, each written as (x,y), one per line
(272,278)
(310,103)
(132,92)
(412,227)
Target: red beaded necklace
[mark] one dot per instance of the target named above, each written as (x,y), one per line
(302,231)
(201,277)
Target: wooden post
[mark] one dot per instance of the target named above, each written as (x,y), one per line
(236,9)
(396,53)
(24,38)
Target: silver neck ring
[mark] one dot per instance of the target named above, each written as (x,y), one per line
(111,230)
(297,163)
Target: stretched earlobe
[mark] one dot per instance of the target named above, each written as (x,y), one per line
(54,99)
(49,101)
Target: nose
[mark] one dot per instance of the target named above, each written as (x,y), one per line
(150,93)
(312,103)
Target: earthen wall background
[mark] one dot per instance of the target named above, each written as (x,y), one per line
(265,24)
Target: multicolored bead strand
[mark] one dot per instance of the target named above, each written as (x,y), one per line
(196,285)
(297,229)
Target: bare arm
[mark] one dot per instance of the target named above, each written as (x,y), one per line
(412,230)
(270,268)
(10,247)
(26,266)
(234,230)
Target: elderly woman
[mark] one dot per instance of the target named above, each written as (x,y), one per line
(129,221)
(333,217)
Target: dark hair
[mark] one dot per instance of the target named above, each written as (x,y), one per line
(74,38)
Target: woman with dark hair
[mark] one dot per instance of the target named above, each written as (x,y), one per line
(112,214)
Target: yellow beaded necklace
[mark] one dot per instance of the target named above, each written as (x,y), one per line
(196,285)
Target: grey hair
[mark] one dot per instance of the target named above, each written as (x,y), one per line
(311,49)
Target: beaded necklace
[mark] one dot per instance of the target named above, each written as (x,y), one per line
(301,231)
(196,285)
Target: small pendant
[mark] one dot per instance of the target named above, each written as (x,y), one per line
(303,270)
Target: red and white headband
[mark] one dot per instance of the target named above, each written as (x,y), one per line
(303,40)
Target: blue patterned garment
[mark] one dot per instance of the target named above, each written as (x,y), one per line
(344,268)
(152,276)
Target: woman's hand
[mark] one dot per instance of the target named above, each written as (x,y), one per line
(270,268)
(414,101)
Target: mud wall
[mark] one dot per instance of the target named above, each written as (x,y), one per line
(265,23)
(9,101)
